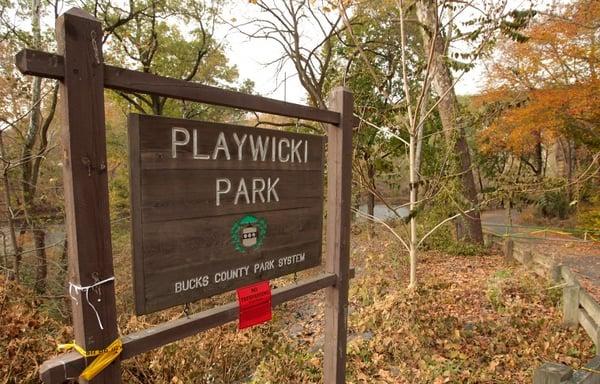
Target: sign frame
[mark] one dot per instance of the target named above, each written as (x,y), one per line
(83,77)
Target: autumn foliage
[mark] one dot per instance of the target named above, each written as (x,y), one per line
(546,87)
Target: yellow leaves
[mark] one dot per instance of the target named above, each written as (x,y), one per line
(28,337)
(493,364)
(447,331)
(444,332)
(546,346)
(315,362)
(387,341)
(354,346)
(547,85)
(456,334)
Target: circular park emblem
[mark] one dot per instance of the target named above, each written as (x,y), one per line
(248,232)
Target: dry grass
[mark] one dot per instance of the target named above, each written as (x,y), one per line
(472,319)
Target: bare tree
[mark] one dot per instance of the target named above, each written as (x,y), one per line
(285,23)
(436,75)
(33,143)
(36,135)
(10,214)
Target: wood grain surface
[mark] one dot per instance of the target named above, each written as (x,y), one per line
(182,232)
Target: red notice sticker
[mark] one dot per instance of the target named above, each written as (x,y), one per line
(255,304)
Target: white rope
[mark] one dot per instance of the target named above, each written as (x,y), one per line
(86,289)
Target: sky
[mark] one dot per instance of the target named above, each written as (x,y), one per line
(250,57)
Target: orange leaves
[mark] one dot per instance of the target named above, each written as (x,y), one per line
(519,129)
(546,87)
(28,336)
(540,117)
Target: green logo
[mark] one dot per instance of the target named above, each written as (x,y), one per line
(248,232)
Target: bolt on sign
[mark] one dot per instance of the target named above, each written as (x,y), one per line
(219,206)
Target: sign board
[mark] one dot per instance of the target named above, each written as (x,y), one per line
(218,206)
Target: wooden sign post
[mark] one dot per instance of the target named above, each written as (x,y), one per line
(262,215)
(339,195)
(85,181)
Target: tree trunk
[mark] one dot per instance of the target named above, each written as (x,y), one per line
(64,269)
(371,198)
(448,108)
(41,271)
(31,135)
(157,104)
(539,159)
(419,139)
(19,252)
(30,160)
(16,248)
(412,250)
(570,168)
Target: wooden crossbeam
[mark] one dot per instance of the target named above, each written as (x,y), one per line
(70,365)
(49,65)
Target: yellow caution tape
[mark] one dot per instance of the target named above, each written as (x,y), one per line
(552,231)
(105,357)
(590,370)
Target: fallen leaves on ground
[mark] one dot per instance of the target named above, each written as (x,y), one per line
(471,320)
(27,334)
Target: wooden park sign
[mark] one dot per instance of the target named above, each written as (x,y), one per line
(214,206)
(217,206)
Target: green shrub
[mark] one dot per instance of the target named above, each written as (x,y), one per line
(588,215)
(554,204)
(443,240)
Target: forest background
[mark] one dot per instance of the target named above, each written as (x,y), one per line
(527,142)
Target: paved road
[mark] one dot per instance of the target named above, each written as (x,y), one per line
(495,221)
